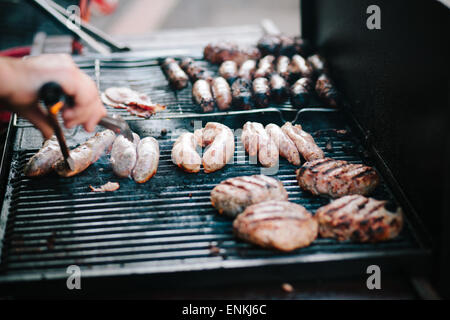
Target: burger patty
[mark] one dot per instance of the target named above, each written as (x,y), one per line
(233,195)
(337,178)
(359,219)
(280,225)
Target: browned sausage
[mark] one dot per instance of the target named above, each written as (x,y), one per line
(265,67)
(202,95)
(247,69)
(299,67)
(261,92)
(176,76)
(194,70)
(282,66)
(301,92)
(278,88)
(326,90)
(222,93)
(229,71)
(241,90)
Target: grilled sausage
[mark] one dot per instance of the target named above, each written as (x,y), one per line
(359,219)
(301,92)
(327,91)
(278,88)
(241,90)
(184,153)
(221,93)
(261,92)
(86,154)
(256,141)
(337,178)
(265,67)
(303,141)
(42,162)
(123,155)
(229,71)
(247,69)
(269,44)
(220,52)
(299,67)
(147,159)
(282,67)
(233,195)
(286,147)
(220,141)
(318,63)
(194,70)
(279,225)
(176,76)
(202,95)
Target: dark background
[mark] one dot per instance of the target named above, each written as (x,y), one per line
(396,81)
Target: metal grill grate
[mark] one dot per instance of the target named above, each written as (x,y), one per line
(145,75)
(166,224)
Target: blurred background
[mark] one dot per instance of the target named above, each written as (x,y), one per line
(19,21)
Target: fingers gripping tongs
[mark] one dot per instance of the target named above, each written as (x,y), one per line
(54,99)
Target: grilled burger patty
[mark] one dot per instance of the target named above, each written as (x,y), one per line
(233,195)
(280,225)
(337,178)
(360,219)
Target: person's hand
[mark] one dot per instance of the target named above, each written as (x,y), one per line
(23,78)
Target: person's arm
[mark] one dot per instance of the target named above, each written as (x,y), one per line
(20,80)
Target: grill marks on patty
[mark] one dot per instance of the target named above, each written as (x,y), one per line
(337,178)
(233,195)
(279,225)
(360,219)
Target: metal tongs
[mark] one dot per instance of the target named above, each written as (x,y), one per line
(86,32)
(53,97)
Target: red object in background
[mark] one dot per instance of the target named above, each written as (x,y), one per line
(16,52)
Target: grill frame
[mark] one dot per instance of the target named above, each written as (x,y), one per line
(414,260)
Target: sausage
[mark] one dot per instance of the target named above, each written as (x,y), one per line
(229,71)
(257,141)
(247,69)
(278,88)
(184,153)
(286,147)
(123,155)
(327,91)
(86,154)
(282,66)
(265,67)
(241,90)
(220,141)
(201,94)
(318,63)
(194,70)
(221,93)
(299,67)
(301,92)
(42,162)
(218,53)
(261,92)
(147,160)
(176,76)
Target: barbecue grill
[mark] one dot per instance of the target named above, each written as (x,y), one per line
(165,232)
